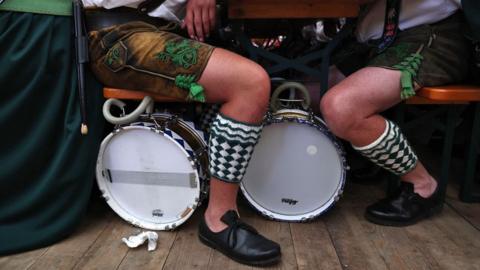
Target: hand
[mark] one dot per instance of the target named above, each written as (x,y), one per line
(200,18)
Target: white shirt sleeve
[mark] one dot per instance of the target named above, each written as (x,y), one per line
(413,13)
(108,4)
(170,10)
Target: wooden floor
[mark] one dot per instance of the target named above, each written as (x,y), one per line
(341,239)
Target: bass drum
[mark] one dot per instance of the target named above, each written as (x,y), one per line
(152,173)
(298,168)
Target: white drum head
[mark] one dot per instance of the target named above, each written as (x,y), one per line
(147,178)
(295,173)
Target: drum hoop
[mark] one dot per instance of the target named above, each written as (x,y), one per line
(193,132)
(303,117)
(123,213)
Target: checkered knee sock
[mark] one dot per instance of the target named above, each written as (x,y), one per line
(207,116)
(391,151)
(230,148)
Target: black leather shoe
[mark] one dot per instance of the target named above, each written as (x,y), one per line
(240,242)
(404,207)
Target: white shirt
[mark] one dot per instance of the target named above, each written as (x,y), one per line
(171,10)
(412,13)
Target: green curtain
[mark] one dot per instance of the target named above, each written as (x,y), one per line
(46,165)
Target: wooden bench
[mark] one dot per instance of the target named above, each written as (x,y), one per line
(447,95)
(272,9)
(451,96)
(136,95)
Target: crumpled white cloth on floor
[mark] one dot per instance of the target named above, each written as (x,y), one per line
(136,240)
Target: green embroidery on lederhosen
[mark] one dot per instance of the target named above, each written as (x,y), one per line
(112,57)
(184,53)
(115,57)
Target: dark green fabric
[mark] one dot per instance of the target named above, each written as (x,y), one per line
(442,46)
(471,8)
(47,167)
(50,7)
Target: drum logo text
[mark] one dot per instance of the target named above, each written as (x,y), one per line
(157,213)
(289,201)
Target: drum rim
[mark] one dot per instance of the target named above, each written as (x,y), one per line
(193,131)
(116,207)
(280,117)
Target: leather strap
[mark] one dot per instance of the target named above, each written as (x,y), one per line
(149,5)
(101,18)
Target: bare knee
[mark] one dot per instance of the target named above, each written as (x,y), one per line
(254,92)
(338,115)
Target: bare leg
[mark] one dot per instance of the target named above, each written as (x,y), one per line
(244,89)
(351,111)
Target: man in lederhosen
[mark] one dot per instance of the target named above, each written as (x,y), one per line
(399,47)
(141,56)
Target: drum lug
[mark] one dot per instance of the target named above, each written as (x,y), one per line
(117,129)
(159,127)
(199,153)
(269,117)
(173,119)
(193,183)
(311,116)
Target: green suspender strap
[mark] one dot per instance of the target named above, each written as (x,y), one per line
(48,7)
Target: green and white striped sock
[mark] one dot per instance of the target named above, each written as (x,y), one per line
(391,151)
(230,148)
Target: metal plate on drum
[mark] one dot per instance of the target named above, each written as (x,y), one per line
(136,151)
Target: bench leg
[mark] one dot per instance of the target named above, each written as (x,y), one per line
(447,149)
(466,189)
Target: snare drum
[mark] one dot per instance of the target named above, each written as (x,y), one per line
(153,173)
(298,168)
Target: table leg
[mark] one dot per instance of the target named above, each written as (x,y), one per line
(466,189)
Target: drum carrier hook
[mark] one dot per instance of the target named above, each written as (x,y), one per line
(146,106)
(277,103)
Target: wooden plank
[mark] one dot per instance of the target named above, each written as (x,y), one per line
(469,211)
(136,95)
(419,100)
(363,245)
(462,234)
(108,250)
(187,252)
(313,246)
(271,9)
(354,247)
(140,258)
(448,239)
(21,260)
(451,93)
(67,253)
